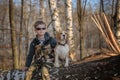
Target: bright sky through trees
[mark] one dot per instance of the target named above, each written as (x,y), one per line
(92,2)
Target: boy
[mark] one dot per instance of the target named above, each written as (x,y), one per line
(41,46)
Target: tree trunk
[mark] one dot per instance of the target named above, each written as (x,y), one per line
(42,11)
(13,35)
(112,15)
(117,20)
(69,20)
(54,16)
(3,34)
(81,13)
(2,23)
(21,34)
(102,6)
(101,11)
(26,18)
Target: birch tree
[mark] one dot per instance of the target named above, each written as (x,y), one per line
(54,16)
(69,20)
(42,10)
(13,35)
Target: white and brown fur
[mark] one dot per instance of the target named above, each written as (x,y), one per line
(62,49)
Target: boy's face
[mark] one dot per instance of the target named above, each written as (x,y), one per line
(40,29)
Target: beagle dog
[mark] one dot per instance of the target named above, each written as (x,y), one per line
(62,49)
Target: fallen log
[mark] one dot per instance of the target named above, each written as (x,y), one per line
(104,69)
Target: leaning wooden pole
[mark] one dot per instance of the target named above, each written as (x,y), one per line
(113,39)
(104,36)
(106,31)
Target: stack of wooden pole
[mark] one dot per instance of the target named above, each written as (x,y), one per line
(103,25)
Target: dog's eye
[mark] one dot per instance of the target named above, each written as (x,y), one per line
(60,33)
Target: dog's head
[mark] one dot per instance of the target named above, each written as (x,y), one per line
(62,35)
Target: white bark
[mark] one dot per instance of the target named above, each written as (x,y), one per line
(42,10)
(54,15)
(69,24)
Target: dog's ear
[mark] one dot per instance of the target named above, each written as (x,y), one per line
(58,36)
(67,36)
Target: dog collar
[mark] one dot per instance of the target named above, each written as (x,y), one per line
(62,44)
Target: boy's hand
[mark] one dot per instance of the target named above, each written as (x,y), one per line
(25,69)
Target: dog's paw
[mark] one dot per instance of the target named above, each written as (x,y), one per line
(66,64)
(56,65)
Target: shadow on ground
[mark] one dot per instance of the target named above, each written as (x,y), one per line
(104,69)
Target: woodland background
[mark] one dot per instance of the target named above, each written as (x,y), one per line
(17,18)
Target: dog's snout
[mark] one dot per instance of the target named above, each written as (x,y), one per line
(63,35)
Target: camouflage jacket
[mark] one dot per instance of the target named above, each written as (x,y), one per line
(37,51)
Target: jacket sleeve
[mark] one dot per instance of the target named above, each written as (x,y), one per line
(30,55)
(53,43)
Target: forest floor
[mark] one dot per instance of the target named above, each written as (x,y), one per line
(101,66)
(95,67)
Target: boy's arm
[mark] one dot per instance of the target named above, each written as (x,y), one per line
(30,55)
